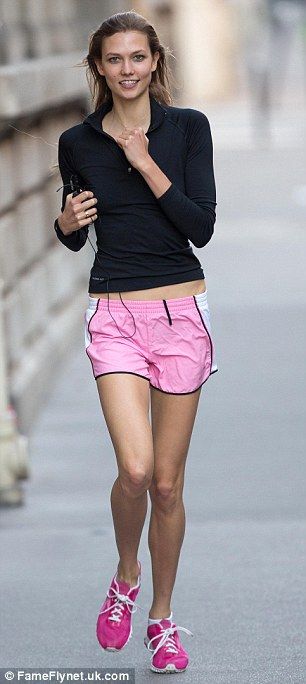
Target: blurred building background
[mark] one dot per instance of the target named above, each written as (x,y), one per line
(235,58)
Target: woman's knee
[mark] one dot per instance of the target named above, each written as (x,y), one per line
(135,479)
(166,494)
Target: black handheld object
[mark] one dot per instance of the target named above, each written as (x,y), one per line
(75,186)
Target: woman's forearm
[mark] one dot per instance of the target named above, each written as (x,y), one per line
(154,177)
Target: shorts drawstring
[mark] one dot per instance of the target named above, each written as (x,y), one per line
(125,336)
(108,278)
(168,312)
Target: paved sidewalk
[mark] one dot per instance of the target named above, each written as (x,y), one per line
(240,585)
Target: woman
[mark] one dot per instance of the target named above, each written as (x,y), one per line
(147,167)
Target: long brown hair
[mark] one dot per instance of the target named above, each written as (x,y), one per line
(162,78)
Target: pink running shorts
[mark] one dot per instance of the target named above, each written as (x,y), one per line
(171,347)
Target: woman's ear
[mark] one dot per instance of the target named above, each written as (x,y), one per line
(99,66)
(155,60)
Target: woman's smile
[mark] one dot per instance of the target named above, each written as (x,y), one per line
(128,84)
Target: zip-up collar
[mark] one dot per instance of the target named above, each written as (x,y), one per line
(158,114)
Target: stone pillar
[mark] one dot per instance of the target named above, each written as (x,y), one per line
(205,46)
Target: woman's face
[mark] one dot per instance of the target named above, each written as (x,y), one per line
(127,56)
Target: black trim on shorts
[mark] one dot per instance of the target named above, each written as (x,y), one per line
(158,388)
(204,326)
(181,393)
(128,372)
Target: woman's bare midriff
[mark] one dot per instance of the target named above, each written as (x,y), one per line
(187,289)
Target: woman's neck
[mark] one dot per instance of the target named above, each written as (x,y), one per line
(131,113)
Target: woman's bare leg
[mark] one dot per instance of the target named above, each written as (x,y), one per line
(172,423)
(124,400)
(129,514)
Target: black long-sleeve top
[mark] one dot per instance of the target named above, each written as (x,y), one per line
(143,241)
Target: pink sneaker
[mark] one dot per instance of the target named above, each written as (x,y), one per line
(114,624)
(168,653)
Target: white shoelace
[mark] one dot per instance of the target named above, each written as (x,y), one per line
(166,638)
(117,608)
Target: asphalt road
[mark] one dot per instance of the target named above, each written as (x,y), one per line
(240,585)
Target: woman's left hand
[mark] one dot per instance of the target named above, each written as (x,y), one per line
(135,145)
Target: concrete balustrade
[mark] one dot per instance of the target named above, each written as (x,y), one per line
(14,40)
(57,261)
(12,325)
(34,85)
(34,298)
(31,156)
(10,255)
(43,283)
(8,188)
(30,218)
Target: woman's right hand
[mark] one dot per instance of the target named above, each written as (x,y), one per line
(73,217)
